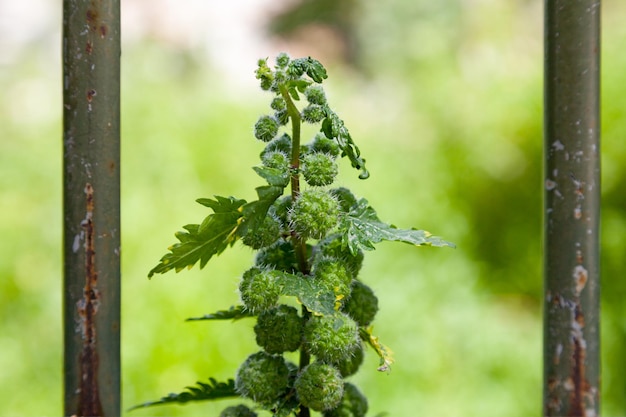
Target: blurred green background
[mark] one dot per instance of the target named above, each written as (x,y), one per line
(445,101)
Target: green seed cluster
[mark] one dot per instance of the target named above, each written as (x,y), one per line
(319,386)
(259,290)
(279,329)
(331,339)
(262,377)
(240,410)
(353,403)
(314,213)
(362,305)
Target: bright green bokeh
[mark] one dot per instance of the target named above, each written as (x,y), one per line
(450,122)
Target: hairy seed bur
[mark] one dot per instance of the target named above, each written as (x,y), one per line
(279,329)
(353,403)
(259,290)
(319,386)
(240,410)
(262,377)
(314,213)
(362,304)
(266,128)
(331,338)
(319,169)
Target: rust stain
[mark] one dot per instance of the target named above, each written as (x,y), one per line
(89,399)
(91,94)
(103,30)
(89,48)
(92,18)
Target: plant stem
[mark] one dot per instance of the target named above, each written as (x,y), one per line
(298,242)
(296,121)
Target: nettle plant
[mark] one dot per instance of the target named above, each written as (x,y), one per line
(309,239)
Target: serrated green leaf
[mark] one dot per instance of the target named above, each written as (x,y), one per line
(317,298)
(212,390)
(233,313)
(361,229)
(274,176)
(254,212)
(202,242)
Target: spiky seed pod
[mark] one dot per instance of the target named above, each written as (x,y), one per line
(240,410)
(319,386)
(279,329)
(313,113)
(353,403)
(315,94)
(332,247)
(314,213)
(362,305)
(282,207)
(350,365)
(281,143)
(278,103)
(345,197)
(282,60)
(325,145)
(276,159)
(331,338)
(280,256)
(319,169)
(265,235)
(266,128)
(334,276)
(259,290)
(262,377)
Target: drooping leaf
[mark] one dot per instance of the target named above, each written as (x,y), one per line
(316,297)
(233,313)
(202,242)
(361,229)
(334,128)
(383,352)
(212,390)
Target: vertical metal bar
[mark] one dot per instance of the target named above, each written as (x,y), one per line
(91,207)
(572,208)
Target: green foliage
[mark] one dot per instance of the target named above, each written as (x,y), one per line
(310,246)
(361,229)
(212,390)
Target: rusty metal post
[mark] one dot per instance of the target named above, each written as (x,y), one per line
(572,208)
(91,207)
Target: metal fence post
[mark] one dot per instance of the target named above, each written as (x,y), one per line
(91,207)
(572,208)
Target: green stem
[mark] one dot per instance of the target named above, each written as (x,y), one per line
(296,121)
(298,242)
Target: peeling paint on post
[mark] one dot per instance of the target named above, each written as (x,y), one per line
(572,209)
(91,207)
